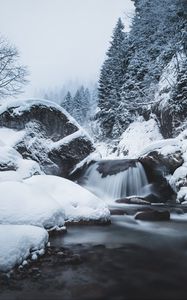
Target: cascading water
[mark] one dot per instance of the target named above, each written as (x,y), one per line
(130,180)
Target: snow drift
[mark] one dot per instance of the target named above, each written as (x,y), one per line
(77,203)
(18,242)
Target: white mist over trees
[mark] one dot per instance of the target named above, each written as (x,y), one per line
(81,103)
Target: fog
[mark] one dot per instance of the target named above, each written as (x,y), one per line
(62,40)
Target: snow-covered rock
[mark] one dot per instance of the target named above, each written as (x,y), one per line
(169,158)
(18,242)
(78,203)
(137,136)
(21,203)
(46,133)
(13,166)
(182,195)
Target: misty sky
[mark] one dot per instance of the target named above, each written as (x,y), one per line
(61,40)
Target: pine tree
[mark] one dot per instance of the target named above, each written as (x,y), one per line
(67,103)
(111,80)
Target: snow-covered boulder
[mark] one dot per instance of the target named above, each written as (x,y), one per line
(167,158)
(79,204)
(178,179)
(21,203)
(18,242)
(46,133)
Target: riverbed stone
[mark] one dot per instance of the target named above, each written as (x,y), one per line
(153,215)
(133,200)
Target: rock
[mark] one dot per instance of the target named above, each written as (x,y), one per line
(116,212)
(114,166)
(176,210)
(51,137)
(68,155)
(60,253)
(133,200)
(153,215)
(151,198)
(75,259)
(157,166)
(35,270)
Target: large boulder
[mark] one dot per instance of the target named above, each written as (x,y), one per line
(160,163)
(50,136)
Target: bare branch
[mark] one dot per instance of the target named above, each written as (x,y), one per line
(12,74)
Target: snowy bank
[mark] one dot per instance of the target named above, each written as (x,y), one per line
(21,203)
(78,204)
(18,242)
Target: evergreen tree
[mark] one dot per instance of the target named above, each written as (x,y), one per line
(67,103)
(111,79)
(135,62)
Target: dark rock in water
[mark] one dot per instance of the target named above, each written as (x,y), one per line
(157,167)
(176,210)
(153,215)
(115,166)
(133,200)
(116,212)
(52,137)
(152,198)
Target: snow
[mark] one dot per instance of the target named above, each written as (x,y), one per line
(137,136)
(78,203)
(67,139)
(10,137)
(168,79)
(21,203)
(94,156)
(17,242)
(178,177)
(164,147)
(182,195)
(14,167)
(106,149)
(9,157)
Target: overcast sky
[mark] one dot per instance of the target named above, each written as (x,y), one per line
(61,40)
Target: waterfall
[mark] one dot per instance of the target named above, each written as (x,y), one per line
(129,181)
